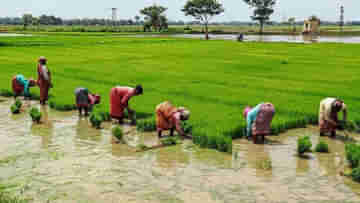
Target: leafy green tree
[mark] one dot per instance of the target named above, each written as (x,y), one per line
(203,10)
(155,16)
(263,9)
(27,20)
(137,19)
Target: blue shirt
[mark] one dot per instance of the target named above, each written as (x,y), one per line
(250,119)
(24,82)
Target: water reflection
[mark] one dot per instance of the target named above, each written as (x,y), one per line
(280,38)
(45,129)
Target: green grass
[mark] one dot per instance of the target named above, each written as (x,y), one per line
(214,79)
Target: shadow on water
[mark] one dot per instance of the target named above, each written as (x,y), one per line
(66,160)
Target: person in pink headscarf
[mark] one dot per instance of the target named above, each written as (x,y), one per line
(258,120)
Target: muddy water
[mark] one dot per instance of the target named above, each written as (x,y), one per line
(65,160)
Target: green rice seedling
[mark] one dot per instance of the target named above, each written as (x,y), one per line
(118,133)
(187,127)
(14,109)
(146,125)
(224,144)
(18,103)
(35,115)
(168,141)
(96,120)
(353,154)
(322,147)
(212,141)
(355,174)
(105,115)
(304,145)
(6,93)
(285,62)
(7,198)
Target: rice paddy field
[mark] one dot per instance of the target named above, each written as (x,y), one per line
(214,79)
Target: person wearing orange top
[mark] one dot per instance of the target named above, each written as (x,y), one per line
(169,117)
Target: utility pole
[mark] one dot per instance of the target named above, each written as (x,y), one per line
(113,15)
(342,18)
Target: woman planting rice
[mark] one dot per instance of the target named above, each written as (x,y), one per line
(119,101)
(85,100)
(44,80)
(21,85)
(328,115)
(169,117)
(259,120)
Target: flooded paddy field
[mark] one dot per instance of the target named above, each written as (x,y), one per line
(65,160)
(280,38)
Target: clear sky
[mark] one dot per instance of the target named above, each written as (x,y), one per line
(234,9)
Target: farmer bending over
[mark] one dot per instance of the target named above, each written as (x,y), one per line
(119,101)
(328,115)
(21,85)
(169,117)
(85,100)
(44,80)
(258,120)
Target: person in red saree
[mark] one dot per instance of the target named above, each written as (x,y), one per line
(169,117)
(44,80)
(119,101)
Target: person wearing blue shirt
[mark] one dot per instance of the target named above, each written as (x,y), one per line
(251,118)
(21,85)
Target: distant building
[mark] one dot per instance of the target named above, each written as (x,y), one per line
(312,26)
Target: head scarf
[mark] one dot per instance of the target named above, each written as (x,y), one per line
(32,82)
(246,111)
(184,112)
(97,98)
(42,59)
(338,105)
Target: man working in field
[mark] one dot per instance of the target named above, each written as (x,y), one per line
(119,101)
(258,120)
(44,80)
(85,100)
(21,85)
(169,117)
(328,115)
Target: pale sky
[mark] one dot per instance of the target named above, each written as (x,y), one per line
(234,9)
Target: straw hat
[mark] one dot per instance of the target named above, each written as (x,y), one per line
(185,113)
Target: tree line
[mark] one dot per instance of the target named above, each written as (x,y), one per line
(153,18)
